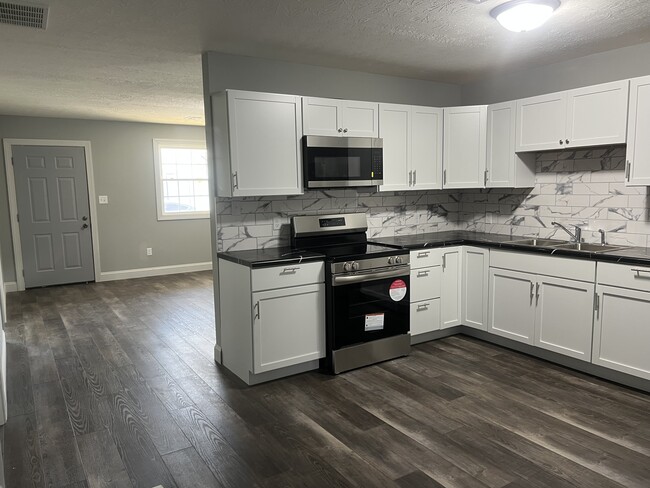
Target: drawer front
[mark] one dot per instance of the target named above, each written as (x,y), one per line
(624,276)
(289,275)
(425,316)
(425,258)
(571,269)
(425,283)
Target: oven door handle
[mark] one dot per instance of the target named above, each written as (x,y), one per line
(371,276)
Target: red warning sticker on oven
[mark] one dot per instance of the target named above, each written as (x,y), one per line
(397,290)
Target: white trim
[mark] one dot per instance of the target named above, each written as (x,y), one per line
(175,143)
(11,286)
(13,203)
(127,274)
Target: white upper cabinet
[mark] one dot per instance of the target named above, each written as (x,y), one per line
(331,117)
(506,168)
(257,143)
(637,170)
(412,138)
(591,116)
(465,143)
(541,122)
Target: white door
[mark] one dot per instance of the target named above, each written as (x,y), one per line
(53,214)
(426,148)
(501,128)
(450,292)
(265,138)
(565,313)
(638,142)
(425,316)
(395,130)
(288,327)
(622,331)
(475,282)
(321,117)
(359,119)
(512,306)
(541,122)
(597,115)
(465,146)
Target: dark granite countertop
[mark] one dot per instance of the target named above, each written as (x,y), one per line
(626,255)
(261,258)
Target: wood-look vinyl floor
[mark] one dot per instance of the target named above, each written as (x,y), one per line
(113,384)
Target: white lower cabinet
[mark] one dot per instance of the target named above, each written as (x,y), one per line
(474,282)
(425,291)
(551,312)
(450,287)
(425,316)
(288,326)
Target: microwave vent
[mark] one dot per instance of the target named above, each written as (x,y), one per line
(24,15)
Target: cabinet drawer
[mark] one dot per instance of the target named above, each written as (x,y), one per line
(425,258)
(425,283)
(425,316)
(289,275)
(624,276)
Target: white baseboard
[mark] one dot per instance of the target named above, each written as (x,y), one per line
(11,286)
(127,274)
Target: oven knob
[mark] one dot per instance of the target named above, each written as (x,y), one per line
(355,266)
(398,260)
(347,266)
(391,260)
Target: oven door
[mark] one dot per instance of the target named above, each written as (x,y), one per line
(371,306)
(339,162)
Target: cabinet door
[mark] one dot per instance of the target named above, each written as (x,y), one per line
(321,117)
(511,305)
(541,122)
(425,316)
(426,148)
(450,290)
(395,130)
(359,119)
(501,145)
(288,327)
(638,142)
(465,146)
(622,331)
(265,131)
(474,280)
(565,311)
(597,115)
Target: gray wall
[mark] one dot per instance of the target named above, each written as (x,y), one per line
(628,62)
(122,154)
(223,71)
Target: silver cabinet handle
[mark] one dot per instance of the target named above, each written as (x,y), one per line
(423,254)
(422,307)
(290,270)
(235,180)
(639,271)
(444,261)
(422,273)
(485,177)
(537,294)
(597,304)
(444,177)
(532,291)
(628,167)
(410,178)
(257,313)
(414,176)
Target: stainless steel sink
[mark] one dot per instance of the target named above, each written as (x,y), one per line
(586,247)
(539,242)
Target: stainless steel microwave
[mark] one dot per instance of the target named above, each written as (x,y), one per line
(330,162)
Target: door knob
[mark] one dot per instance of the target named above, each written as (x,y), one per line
(84,218)
(85,226)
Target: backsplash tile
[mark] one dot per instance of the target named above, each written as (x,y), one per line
(580,187)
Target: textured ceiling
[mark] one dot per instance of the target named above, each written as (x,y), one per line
(140,60)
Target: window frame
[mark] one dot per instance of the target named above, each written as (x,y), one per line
(158,144)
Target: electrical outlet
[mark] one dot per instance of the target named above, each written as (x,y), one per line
(149,251)
(103,199)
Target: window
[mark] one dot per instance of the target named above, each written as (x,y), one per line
(182,188)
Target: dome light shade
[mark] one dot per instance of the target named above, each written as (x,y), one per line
(524,15)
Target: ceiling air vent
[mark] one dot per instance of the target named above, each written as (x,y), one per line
(23,14)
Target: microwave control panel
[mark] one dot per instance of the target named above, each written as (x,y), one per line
(377,164)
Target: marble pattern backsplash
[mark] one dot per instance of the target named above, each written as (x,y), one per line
(575,187)
(259,222)
(583,187)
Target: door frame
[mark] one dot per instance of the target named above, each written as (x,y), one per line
(13,203)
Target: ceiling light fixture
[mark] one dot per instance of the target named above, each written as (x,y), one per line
(524,15)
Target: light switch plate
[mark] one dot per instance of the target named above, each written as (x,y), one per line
(103,199)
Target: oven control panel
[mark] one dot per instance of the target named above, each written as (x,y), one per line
(370,264)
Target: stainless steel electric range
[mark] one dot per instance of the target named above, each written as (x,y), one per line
(367,290)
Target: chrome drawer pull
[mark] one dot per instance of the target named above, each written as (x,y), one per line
(290,270)
(423,273)
(423,306)
(423,254)
(639,271)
